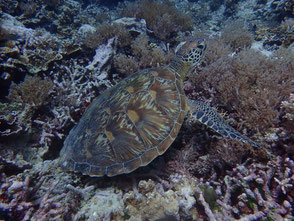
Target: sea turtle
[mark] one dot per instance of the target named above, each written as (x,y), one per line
(138,119)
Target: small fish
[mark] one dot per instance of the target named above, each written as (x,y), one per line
(5,76)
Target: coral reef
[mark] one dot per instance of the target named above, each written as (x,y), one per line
(106,31)
(149,55)
(25,99)
(38,198)
(237,35)
(143,54)
(9,121)
(125,64)
(34,50)
(103,205)
(57,56)
(273,37)
(32,91)
(162,18)
(102,56)
(249,191)
(168,202)
(248,85)
(134,25)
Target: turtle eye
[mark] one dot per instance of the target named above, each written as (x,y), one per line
(200,46)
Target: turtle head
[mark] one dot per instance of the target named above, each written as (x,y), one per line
(188,55)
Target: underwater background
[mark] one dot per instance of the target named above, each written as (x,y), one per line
(57,56)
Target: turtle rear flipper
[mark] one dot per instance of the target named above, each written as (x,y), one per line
(205,114)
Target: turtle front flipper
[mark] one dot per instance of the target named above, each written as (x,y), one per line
(204,114)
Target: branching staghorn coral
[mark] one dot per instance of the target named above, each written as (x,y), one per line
(36,197)
(73,88)
(251,191)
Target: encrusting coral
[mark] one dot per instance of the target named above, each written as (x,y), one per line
(35,49)
(273,37)
(168,202)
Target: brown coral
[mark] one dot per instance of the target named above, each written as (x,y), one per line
(216,49)
(32,91)
(249,85)
(125,64)
(147,55)
(162,18)
(236,35)
(142,55)
(106,31)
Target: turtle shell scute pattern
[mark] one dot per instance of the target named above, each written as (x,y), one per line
(127,126)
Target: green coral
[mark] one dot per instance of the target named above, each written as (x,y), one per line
(209,196)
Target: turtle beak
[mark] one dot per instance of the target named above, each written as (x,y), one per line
(201,44)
